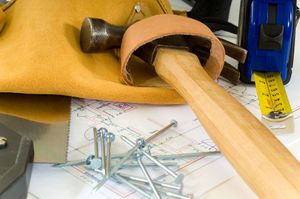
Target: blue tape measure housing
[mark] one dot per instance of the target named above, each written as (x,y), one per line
(270,37)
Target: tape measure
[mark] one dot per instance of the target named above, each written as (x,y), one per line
(273,100)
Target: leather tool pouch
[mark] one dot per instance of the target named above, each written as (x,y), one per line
(42,63)
(41,60)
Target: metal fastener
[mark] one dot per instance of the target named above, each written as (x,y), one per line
(96,143)
(146,174)
(103,132)
(132,151)
(178,178)
(173,123)
(3,142)
(140,143)
(138,8)
(109,138)
(138,179)
(123,180)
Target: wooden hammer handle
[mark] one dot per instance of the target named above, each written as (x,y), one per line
(261,160)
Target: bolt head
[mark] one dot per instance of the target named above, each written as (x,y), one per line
(89,159)
(138,154)
(110,137)
(95,164)
(138,8)
(102,131)
(174,122)
(3,142)
(141,143)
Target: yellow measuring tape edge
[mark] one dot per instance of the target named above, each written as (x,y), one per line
(271,93)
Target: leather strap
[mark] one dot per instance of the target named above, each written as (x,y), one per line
(159,26)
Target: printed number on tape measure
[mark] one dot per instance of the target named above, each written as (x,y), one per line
(272,97)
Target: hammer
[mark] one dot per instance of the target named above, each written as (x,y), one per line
(107,36)
(261,160)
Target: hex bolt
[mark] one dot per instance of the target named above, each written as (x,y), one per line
(3,142)
(103,132)
(146,174)
(109,138)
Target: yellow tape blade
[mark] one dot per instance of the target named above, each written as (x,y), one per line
(271,93)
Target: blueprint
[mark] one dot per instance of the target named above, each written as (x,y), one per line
(202,174)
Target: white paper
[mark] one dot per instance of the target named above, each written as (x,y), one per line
(202,174)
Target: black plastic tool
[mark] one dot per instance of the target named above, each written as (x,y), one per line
(16,156)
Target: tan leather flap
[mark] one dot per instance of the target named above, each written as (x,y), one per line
(159,26)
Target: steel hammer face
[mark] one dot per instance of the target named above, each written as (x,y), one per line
(98,35)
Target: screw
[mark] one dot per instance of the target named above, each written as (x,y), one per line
(109,138)
(3,142)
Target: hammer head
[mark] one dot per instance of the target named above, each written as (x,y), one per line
(97,35)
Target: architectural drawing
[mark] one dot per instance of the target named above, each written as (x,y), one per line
(134,120)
